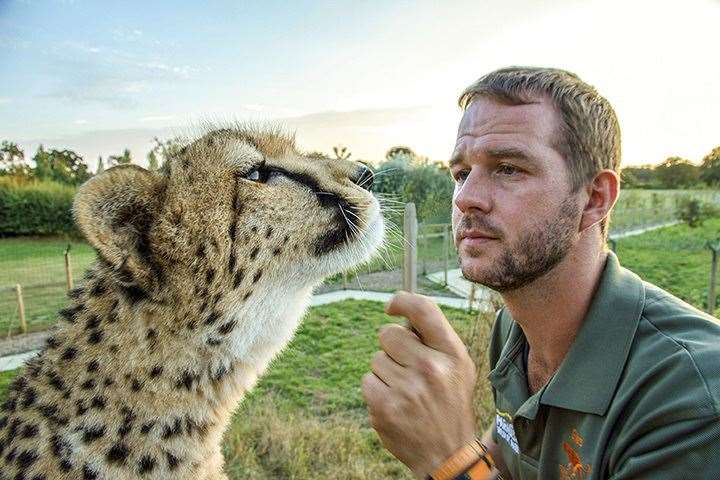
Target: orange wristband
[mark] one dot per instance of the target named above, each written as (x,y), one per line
(473,459)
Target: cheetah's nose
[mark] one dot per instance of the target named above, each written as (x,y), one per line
(363,176)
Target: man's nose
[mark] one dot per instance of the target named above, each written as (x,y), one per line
(363,176)
(473,193)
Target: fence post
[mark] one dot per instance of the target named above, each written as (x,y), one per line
(410,227)
(471,297)
(424,238)
(446,253)
(21,308)
(68,270)
(344,278)
(713,278)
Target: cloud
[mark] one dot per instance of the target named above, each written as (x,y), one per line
(127,35)
(156,118)
(117,78)
(179,70)
(5,100)
(367,133)
(13,43)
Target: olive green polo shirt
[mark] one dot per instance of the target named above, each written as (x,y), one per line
(637,396)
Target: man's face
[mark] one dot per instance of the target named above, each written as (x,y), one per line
(514,217)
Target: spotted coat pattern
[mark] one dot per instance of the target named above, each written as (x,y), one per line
(204,270)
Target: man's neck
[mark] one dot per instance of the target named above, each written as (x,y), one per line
(551,310)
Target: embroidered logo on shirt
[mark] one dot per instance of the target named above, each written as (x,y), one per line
(574,469)
(505,429)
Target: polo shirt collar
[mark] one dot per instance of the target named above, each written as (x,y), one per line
(588,376)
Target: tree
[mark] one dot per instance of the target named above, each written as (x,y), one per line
(639,176)
(401,153)
(63,166)
(152,161)
(12,160)
(123,159)
(676,172)
(165,150)
(710,167)
(43,167)
(341,153)
(412,178)
(100,166)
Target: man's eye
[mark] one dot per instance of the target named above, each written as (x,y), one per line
(461,175)
(507,169)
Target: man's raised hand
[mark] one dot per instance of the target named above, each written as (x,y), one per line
(419,394)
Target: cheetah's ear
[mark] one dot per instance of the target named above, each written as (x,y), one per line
(115,211)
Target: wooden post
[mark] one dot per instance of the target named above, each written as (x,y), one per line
(68,270)
(21,308)
(712,292)
(424,237)
(344,275)
(471,298)
(446,253)
(410,260)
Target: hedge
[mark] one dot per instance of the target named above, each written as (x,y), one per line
(35,208)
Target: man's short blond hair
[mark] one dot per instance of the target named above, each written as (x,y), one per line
(589,136)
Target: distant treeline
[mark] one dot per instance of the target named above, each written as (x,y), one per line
(36,196)
(66,166)
(675,172)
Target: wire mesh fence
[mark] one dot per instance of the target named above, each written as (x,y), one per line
(38,264)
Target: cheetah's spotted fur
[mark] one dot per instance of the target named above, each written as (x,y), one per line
(202,276)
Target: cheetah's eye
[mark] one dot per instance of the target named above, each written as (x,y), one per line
(259,174)
(253,175)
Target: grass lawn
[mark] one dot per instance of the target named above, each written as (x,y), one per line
(674,258)
(38,265)
(306,418)
(430,249)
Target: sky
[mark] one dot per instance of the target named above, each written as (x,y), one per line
(98,76)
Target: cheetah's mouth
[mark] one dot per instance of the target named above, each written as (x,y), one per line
(343,217)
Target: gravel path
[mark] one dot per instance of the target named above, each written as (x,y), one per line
(388,281)
(23,343)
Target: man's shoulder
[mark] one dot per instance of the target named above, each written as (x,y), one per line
(673,359)
(676,325)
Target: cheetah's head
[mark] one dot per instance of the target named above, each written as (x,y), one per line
(234,206)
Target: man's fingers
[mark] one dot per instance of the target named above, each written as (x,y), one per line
(373,390)
(387,370)
(401,344)
(427,319)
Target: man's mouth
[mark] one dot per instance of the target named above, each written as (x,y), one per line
(474,238)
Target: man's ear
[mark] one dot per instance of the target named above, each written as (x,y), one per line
(115,211)
(602,194)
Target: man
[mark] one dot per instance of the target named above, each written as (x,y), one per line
(594,373)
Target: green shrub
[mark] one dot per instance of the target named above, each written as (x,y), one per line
(35,208)
(694,211)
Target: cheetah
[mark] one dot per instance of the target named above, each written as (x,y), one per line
(204,270)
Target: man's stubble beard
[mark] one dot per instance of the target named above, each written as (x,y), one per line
(533,255)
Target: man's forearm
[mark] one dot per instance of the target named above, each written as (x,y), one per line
(494,451)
